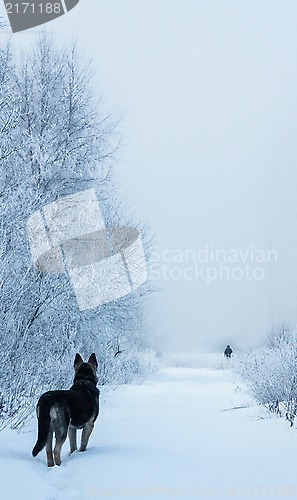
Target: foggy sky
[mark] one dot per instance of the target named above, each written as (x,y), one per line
(208,90)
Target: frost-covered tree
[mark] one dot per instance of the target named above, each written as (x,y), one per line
(55,141)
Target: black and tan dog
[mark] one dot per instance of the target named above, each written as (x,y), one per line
(60,412)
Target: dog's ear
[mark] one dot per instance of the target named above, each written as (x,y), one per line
(93,361)
(77,361)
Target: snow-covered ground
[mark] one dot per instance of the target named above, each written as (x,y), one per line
(176,435)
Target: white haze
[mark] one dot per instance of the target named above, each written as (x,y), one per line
(209,94)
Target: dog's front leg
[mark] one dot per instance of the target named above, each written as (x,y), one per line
(72,438)
(87,430)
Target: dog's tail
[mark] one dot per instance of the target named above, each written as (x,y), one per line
(44,422)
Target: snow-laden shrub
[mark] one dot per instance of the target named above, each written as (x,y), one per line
(128,366)
(270,372)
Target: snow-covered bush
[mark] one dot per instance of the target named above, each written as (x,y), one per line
(270,372)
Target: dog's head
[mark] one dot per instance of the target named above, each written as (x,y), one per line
(89,366)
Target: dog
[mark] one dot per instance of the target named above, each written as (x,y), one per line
(63,412)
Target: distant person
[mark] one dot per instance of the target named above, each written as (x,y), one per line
(228,351)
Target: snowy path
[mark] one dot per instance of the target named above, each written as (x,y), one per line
(166,438)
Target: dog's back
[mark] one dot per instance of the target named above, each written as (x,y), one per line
(60,412)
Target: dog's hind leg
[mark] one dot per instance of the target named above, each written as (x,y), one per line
(87,430)
(60,422)
(60,440)
(49,449)
(72,439)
